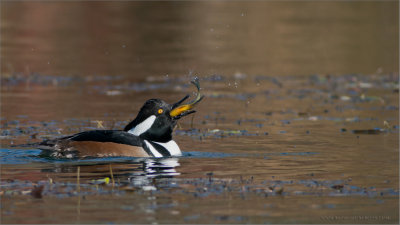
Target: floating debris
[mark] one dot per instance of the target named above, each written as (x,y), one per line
(369,131)
(197,187)
(345,98)
(113,92)
(37,191)
(337,187)
(100,181)
(365,85)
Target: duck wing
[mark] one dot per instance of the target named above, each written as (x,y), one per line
(73,145)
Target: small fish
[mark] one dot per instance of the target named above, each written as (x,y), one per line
(184,110)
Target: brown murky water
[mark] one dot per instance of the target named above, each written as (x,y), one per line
(299,124)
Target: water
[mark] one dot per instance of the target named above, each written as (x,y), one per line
(299,123)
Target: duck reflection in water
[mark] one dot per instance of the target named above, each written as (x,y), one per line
(155,168)
(138,172)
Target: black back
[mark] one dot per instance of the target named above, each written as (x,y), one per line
(116,136)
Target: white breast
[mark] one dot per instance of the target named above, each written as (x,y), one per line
(171,147)
(153,150)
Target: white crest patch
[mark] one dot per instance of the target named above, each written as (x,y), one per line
(143,126)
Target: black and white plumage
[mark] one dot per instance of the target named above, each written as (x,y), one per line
(148,135)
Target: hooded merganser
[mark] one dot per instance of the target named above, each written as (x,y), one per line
(148,135)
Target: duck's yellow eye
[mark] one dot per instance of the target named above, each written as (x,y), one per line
(160,111)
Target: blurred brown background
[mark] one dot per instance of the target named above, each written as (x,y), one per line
(158,38)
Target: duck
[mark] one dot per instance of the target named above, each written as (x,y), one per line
(148,135)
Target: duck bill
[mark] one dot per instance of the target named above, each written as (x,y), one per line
(179,111)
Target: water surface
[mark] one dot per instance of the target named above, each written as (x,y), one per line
(299,123)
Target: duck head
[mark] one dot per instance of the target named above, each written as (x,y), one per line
(157,119)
